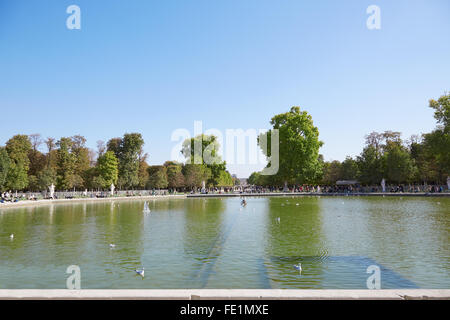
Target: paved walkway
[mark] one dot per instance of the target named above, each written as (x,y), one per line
(227,294)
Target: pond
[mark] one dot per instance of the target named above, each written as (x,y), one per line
(217,243)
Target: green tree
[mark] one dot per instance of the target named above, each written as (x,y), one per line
(331,172)
(143,172)
(194,174)
(299,146)
(369,161)
(46,178)
(204,150)
(82,156)
(349,169)
(128,151)
(66,165)
(225,179)
(157,177)
(18,148)
(107,170)
(442,111)
(5,165)
(175,176)
(398,165)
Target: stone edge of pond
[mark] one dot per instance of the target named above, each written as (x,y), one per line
(224,294)
(301,194)
(31,203)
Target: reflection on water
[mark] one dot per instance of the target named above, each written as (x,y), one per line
(216,243)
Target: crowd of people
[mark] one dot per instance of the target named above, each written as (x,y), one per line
(332,189)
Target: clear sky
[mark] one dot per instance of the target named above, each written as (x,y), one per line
(156,66)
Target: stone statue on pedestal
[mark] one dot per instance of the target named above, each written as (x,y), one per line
(52,190)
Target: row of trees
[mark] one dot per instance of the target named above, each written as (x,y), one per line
(424,158)
(69,164)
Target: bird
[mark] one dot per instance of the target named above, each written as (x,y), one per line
(140,272)
(298,267)
(297,204)
(11,236)
(112,245)
(278,219)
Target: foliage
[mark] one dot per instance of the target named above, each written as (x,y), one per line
(157,177)
(298,147)
(107,170)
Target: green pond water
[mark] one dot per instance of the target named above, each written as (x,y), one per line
(216,243)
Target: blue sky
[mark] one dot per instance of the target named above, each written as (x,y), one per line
(156,66)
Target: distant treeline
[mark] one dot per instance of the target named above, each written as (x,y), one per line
(69,165)
(424,158)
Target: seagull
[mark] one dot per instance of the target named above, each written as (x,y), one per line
(298,267)
(111,245)
(297,204)
(140,272)
(278,219)
(11,236)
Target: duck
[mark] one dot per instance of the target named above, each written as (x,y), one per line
(112,245)
(298,267)
(140,272)
(11,236)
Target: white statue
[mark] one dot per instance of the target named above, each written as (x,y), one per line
(203,190)
(52,190)
(112,188)
(383,185)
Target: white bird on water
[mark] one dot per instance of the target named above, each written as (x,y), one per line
(140,272)
(298,267)
(278,219)
(11,236)
(112,245)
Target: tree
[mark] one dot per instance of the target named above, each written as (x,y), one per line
(143,172)
(175,176)
(370,166)
(442,111)
(195,174)
(82,156)
(299,146)
(46,178)
(5,165)
(398,165)
(253,179)
(157,177)
(101,147)
(349,169)
(204,149)
(66,162)
(107,170)
(225,179)
(128,150)
(18,148)
(331,172)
